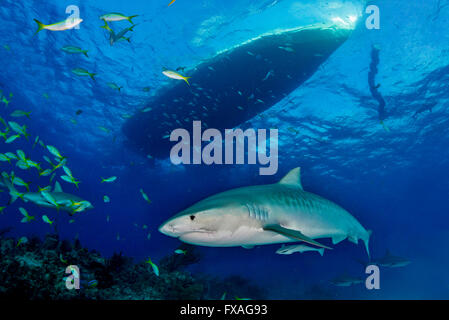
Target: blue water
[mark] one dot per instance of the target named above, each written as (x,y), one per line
(392,177)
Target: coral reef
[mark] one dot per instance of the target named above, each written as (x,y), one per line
(36,270)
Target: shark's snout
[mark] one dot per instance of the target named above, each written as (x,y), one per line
(169,230)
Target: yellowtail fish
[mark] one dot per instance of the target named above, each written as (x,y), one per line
(19,182)
(145,196)
(109,180)
(49,198)
(173,1)
(124,39)
(70,179)
(174,75)
(106,199)
(21,155)
(4,158)
(179,251)
(22,240)
(36,141)
(82,72)
(61,258)
(67,171)
(104,129)
(6,101)
(288,49)
(21,130)
(47,220)
(20,113)
(153,266)
(114,86)
(54,152)
(67,24)
(3,120)
(11,155)
(384,126)
(26,217)
(12,138)
(47,188)
(23,165)
(74,50)
(117,17)
(115,37)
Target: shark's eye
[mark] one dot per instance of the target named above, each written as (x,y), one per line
(192,217)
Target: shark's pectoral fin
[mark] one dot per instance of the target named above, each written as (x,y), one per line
(295,234)
(247,247)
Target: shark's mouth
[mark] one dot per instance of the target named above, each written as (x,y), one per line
(235,85)
(197,237)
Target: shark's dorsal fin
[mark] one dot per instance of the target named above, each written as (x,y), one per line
(58,187)
(294,234)
(293,178)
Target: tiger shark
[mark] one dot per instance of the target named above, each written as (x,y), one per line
(265,214)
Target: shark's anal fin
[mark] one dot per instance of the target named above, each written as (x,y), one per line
(295,234)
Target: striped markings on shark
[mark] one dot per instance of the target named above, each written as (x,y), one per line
(265,214)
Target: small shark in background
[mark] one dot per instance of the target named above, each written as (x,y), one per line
(390,261)
(346,281)
(265,214)
(425,107)
(56,199)
(298,248)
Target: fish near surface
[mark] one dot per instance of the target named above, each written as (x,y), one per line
(265,214)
